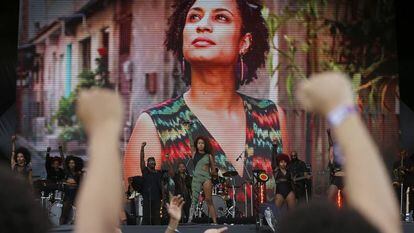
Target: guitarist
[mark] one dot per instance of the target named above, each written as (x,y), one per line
(300,174)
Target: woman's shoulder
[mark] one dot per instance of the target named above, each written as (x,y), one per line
(257,103)
(167,107)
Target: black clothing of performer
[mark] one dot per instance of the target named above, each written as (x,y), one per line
(71,192)
(152,195)
(182,184)
(298,169)
(284,182)
(335,180)
(52,174)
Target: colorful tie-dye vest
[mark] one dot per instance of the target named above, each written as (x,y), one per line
(262,125)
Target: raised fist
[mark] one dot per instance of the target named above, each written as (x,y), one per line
(100,108)
(143,144)
(323,92)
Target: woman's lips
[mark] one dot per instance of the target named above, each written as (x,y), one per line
(202,42)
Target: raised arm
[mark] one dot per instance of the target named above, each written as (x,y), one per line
(142,157)
(330,94)
(47,162)
(144,131)
(100,111)
(213,165)
(13,155)
(62,155)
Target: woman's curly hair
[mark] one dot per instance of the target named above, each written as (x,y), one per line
(208,148)
(252,22)
(26,154)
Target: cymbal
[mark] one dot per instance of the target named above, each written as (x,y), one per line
(230,173)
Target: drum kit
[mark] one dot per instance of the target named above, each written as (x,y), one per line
(52,198)
(223,197)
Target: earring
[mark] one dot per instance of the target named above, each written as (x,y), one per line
(242,69)
(183,66)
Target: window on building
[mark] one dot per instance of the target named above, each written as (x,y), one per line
(105,44)
(125,35)
(85,46)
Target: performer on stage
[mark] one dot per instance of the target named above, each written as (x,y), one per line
(336,180)
(151,190)
(300,175)
(20,162)
(220,44)
(182,186)
(55,172)
(284,183)
(204,169)
(73,177)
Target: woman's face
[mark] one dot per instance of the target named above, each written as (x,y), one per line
(20,159)
(282,164)
(181,168)
(72,164)
(212,33)
(200,145)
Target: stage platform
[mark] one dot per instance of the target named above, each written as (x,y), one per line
(196,228)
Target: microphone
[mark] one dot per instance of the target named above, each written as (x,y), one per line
(239,157)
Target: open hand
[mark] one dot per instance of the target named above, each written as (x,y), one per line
(174,207)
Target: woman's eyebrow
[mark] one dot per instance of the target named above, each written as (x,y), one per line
(196,9)
(199,9)
(222,9)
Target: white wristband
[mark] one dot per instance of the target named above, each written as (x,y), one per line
(340,113)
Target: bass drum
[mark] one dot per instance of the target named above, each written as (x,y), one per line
(219,205)
(55,212)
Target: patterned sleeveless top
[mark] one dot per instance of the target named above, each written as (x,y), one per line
(262,125)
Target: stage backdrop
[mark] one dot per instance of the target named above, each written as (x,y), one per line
(65,46)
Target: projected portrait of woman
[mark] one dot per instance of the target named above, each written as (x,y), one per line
(220,45)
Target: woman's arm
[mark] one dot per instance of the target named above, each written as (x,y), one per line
(100,111)
(373,198)
(47,162)
(213,167)
(13,155)
(62,156)
(144,131)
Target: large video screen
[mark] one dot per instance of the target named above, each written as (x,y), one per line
(216,72)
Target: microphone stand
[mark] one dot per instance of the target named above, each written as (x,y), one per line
(249,178)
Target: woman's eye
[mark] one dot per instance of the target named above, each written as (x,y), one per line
(222,18)
(194,17)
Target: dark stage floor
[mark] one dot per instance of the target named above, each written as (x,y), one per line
(193,228)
